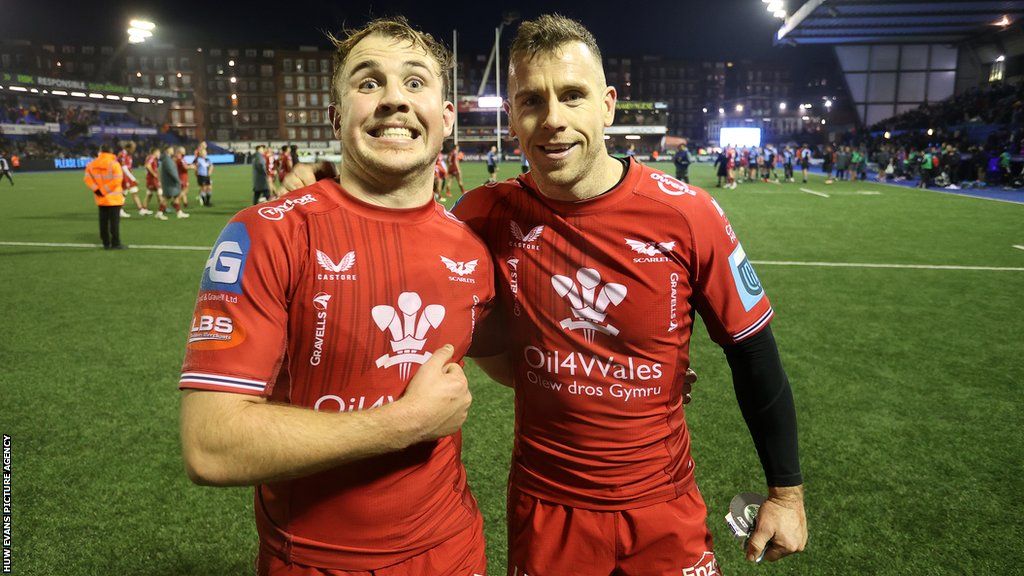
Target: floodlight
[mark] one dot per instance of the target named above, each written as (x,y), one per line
(489,102)
(739,107)
(779,13)
(632,137)
(142,25)
(782,106)
(1000,58)
(775,5)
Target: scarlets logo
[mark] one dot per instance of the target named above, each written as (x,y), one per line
(461,269)
(589,304)
(278,211)
(408,329)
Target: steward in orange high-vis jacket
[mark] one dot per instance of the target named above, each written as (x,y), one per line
(103,176)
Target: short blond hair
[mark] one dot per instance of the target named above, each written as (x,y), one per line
(397,28)
(547,34)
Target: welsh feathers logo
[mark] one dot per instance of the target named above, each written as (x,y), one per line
(517,232)
(650,248)
(589,301)
(460,268)
(407,326)
(347,262)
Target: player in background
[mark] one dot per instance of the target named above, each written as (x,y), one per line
(440,176)
(204,177)
(284,163)
(183,168)
(454,171)
(492,165)
(126,157)
(787,163)
(271,164)
(5,168)
(323,360)
(730,166)
(722,168)
(524,163)
(805,161)
(602,263)
(682,163)
(170,184)
(152,167)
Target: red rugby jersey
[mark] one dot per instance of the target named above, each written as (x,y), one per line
(152,166)
(127,178)
(322,301)
(598,298)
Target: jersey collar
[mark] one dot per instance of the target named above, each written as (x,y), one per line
(618,193)
(375,212)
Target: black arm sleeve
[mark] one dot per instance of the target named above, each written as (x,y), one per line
(766,402)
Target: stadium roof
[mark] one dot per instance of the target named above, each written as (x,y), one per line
(895,21)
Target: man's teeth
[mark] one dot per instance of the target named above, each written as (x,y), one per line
(396,133)
(561,148)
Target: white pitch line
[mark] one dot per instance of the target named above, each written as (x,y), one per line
(869,192)
(758,262)
(132,246)
(870,265)
(809,191)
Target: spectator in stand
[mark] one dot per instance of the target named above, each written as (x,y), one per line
(927,168)
(170,182)
(681,161)
(103,176)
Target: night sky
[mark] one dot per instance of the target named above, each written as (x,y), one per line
(712,29)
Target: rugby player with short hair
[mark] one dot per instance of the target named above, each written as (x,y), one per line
(126,157)
(183,168)
(323,362)
(601,265)
(454,171)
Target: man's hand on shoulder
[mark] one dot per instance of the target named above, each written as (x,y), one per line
(781,524)
(303,174)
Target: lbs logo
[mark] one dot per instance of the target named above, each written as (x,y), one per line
(212,330)
(747,283)
(224,268)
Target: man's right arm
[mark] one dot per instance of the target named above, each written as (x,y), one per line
(238,440)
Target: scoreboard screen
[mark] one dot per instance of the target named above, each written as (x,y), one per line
(740,137)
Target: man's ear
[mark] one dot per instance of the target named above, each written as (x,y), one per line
(448,115)
(335,118)
(507,107)
(610,97)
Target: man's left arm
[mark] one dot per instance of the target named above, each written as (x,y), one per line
(766,401)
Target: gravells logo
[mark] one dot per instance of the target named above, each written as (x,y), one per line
(333,270)
(527,240)
(513,284)
(408,330)
(277,211)
(706,566)
(747,283)
(226,264)
(671,186)
(588,303)
(461,270)
(214,330)
(320,302)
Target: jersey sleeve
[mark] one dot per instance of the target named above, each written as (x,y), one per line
(238,334)
(490,333)
(728,294)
